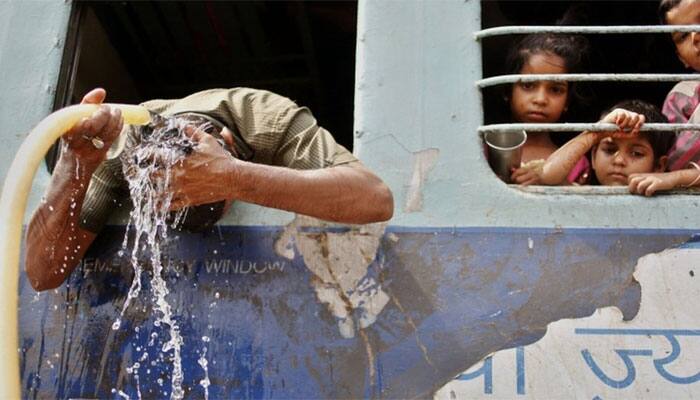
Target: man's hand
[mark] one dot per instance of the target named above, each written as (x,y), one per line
(649,183)
(347,193)
(55,240)
(204,175)
(105,125)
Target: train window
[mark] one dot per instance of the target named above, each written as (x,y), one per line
(622,63)
(150,49)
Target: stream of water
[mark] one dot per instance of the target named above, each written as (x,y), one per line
(146,166)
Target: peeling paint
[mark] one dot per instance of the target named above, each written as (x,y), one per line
(603,356)
(339,258)
(423,163)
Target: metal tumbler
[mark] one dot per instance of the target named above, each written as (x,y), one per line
(505,151)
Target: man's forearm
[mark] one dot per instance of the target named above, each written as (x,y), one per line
(346,193)
(55,241)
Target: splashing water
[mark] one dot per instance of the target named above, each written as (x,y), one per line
(205,383)
(146,168)
(121,394)
(135,371)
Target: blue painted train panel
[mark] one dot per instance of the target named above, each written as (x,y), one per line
(455,295)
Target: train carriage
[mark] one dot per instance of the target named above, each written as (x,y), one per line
(276,305)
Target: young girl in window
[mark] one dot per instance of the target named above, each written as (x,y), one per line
(543,101)
(623,158)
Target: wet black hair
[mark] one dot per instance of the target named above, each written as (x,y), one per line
(664,7)
(660,142)
(573,49)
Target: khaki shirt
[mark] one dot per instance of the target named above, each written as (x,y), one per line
(279,133)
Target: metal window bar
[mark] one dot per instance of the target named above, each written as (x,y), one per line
(596,190)
(621,29)
(512,78)
(580,127)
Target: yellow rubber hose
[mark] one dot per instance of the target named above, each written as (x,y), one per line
(12,207)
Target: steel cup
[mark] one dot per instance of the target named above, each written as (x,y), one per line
(505,151)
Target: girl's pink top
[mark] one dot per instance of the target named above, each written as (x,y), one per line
(579,174)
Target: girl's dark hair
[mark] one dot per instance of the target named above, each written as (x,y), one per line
(664,7)
(660,142)
(573,49)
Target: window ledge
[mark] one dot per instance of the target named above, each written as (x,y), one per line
(593,190)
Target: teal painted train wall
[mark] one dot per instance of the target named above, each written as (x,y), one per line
(417,111)
(416,119)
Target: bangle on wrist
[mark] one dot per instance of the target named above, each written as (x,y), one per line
(697,178)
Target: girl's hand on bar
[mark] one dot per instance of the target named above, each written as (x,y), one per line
(649,183)
(629,123)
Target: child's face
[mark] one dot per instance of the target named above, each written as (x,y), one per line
(615,159)
(543,101)
(687,43)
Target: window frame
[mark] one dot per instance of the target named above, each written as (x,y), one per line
(597,77)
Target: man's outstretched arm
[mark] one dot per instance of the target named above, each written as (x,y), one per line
(348,193)
(55,241)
